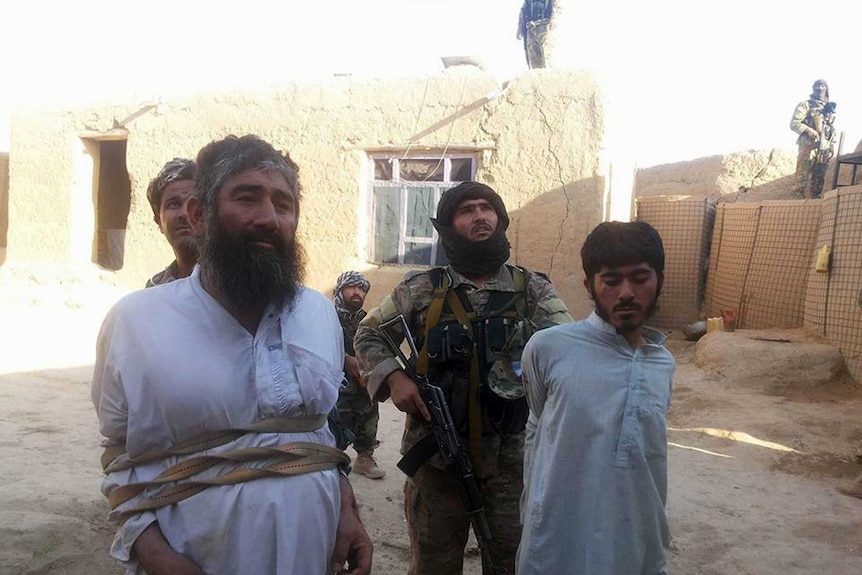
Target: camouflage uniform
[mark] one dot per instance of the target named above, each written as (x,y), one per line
(437,524)
(356,411)
(167,275)
(813,158)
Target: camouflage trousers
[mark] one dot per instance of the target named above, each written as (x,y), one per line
(438,525)
(534,42)
(360,415)
(810,175)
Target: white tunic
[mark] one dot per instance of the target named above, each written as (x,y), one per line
(595,458)
(172,364)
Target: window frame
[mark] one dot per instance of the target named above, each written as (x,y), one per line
(404,189)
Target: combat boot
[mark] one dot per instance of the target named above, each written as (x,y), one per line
(853,489)
(365,465)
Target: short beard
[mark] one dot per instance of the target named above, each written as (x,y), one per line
(248,276)
(627,326)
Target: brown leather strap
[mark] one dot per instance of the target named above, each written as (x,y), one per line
(112,461)
(435,308)
(290,459)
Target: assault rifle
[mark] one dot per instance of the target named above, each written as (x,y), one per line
(823,124)
(448,441)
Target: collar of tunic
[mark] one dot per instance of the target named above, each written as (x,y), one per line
(651,336)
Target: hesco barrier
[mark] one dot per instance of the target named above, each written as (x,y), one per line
(758,265)
(685,225)
(762,260)
(833,303)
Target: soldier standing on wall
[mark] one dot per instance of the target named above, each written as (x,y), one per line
(533,25)
(813,120)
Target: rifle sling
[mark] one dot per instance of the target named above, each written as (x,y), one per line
(474,410)
(499,303)
(435,308)
(426,447)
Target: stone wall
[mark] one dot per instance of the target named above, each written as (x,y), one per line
(537,139)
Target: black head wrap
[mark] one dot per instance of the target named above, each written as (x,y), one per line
(470,191)
(814,89)
(466,256)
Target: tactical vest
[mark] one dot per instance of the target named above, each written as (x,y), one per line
(490,342)
(538,9)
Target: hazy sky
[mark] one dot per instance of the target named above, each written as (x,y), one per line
(683,80)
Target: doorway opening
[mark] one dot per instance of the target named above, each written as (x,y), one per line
(112,199)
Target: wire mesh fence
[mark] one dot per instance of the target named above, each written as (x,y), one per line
(761,264)
(685,226)
(833,303)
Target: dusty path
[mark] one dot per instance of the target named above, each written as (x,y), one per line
(736,507)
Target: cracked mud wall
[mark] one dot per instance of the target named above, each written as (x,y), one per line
(537,142)
(754,175)
(547,169)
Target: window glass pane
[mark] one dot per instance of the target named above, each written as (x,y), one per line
(417,254)
(422,170)
(462,170)
(387,210)
(383,169)
(420,209)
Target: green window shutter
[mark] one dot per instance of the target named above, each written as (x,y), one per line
(387,212)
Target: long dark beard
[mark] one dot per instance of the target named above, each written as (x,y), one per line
(251,277)
(470,258)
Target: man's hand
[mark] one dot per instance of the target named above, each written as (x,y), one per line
(157,557)
(812,134)
(352,544)
(351,366)
(405,395)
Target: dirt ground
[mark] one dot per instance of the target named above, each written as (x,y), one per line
(752,466)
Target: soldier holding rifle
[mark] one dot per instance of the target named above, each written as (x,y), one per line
(813,120)
(471,320)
